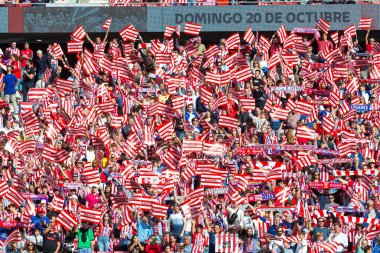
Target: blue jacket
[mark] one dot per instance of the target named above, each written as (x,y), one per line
(37,221)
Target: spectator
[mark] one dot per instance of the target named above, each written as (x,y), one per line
(9,89)
(177,223)
(85,238)
(51,240)
(28,79)
(40,221)
(41,62)
(339,237)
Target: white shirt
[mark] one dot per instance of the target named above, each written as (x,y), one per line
(239,213)
(340,238)
(302,247)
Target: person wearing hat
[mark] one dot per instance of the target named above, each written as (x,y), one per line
(40,220)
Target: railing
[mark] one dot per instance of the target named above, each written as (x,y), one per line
(89,3)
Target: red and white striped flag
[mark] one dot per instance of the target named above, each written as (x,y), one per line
(3,188)
(107,24)
(74,47)
(90,176)
(233,42)
(67,220)
(365,24)
(234,196)
(15,236)
(166,131)
(283,195)
(226,243)
(305,133)
(213,149)
(129,33)
(274,61)
(78,34)
(90,215)
(14,196)
(350,31)
(353,85)
(335,37)
(58,52)
(36,93)
(328,124)
(329,247)
(281,33)
(57,203)
(192,28)
(347,148)
(279,113)
(190,146)
(248,103)
(211,180)
(159,210)
(264,44)
(142,202)
(243,74)
(249,36)
(304,108)
(169,30)
(323,25)
(227,121)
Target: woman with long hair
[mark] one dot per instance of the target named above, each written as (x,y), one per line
(30,248)
(105,233)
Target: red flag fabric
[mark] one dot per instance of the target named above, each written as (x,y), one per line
(328,124)
(129,33)
(14,196)
(107,24)
(58,52)
(365,24)
(90,215)
(78,34)
(192,28)
(281,33)
(249,37)
(67,220)
(74,47)
(169,30)
(323,25)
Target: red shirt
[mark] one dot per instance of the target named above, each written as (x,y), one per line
(369,48)
(16,69)
(28,53)
(323,44)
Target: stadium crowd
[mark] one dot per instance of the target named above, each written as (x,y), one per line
(252,144)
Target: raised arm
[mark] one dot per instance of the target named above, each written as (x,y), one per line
(89,39)
(105,37)
(366,37)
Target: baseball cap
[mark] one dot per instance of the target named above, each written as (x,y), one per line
(43,201)
(40,210)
